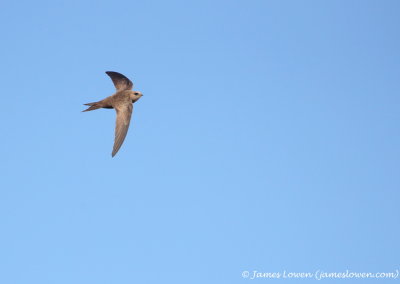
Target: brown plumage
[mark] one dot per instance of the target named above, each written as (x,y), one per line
(122,101)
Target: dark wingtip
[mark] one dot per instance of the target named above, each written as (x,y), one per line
(110,73)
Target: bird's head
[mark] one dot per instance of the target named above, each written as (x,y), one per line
(135,95)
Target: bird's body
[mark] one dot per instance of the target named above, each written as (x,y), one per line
(122,101)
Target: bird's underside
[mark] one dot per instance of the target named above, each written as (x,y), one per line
(122,101)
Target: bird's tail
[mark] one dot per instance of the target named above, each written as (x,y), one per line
(92,106)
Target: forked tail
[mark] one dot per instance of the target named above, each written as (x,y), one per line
(92,106)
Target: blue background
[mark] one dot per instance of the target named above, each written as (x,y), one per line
(267,139)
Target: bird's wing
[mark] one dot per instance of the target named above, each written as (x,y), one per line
(121,83)
(124,113)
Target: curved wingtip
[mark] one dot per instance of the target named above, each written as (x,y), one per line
(120,81)
(111,73)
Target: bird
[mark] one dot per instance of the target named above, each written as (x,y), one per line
(122,101)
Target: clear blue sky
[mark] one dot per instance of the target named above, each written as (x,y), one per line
(267,139)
